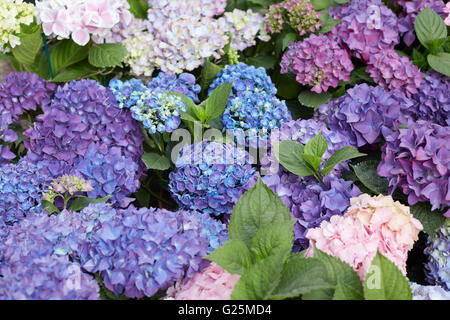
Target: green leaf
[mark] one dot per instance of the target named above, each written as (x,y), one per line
(30,45)
(139,8)
(155,161)
(49,207)
(80,203)
(419,59)
(233,256)
(312,99)
(267,62)
(287,88)
(429,26)
(258,207)
(67,53)
(440,62)
(107,55)
(217,101)
(300,276)
(339,271)
(384,281)
(316,146)
(343,154)
(366,172)
(431,220)
(290,158)
(259,280)
(274,239)
(287,40)
(321,4)
(313,161)
(328,23)
(209,73)
(189,115)
(75,72)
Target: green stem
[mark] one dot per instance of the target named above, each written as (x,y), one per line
(47,53)
(156,195)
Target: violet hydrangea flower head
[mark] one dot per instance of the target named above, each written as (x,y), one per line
(81,112)
(257,113)
(416,160)
(432,101)
(244,78)
(437,269)
(299,14)
(109,171)
(184,84)
(211,177)
(21,187)
(142,251)
(367,27)
(213,283)
(311,202)
(317,61)
(428,292)
(5,154)
(365,112)
(409,13)
(394,72)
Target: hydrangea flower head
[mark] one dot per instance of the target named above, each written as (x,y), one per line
(365,112)
(299,14)
(257,112)
(437,269)
(213,283)
(70,184)
(211,177)
(145,250)
(184,84)
(12,15)
(446,10)
(416,160)
(429,292)
(244,78)
(81,112)
(394,72)
(79,19)
(318,62)
(21,187)
(367,27)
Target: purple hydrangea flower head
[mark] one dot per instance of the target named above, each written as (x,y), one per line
(6,155)
(364,112)
(417,161)
(142,251)
(432,101)
(82,112)
(299,14)
(184,84)
(437,269)
(211,177)
(244,78)
(367,27)
(317,61)
(109,172)
(408,16)
(394,72)
(257,112)
(21,187)
(311,202)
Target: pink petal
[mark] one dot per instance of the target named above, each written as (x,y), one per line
(80,37)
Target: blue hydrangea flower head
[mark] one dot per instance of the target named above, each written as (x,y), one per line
(211,177)
(184,84)
(437,269)
(127,92)
(244,78)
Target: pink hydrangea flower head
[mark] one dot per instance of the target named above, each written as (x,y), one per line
(213,283)
(447,11)
(394,72)
(318,61)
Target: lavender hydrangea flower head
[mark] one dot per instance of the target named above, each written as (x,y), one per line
(417,160)
(428,292)
(109,172)
(21,187)
(311,202)
(184,84)
(394,72)
(408,16)
(367,27)
(299,14)
(432,101)
(437,269)
(317,61)
(211,177)
(5,154)
(365,112)
(244,78)
(259,113)
(145,250)
(82,112)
